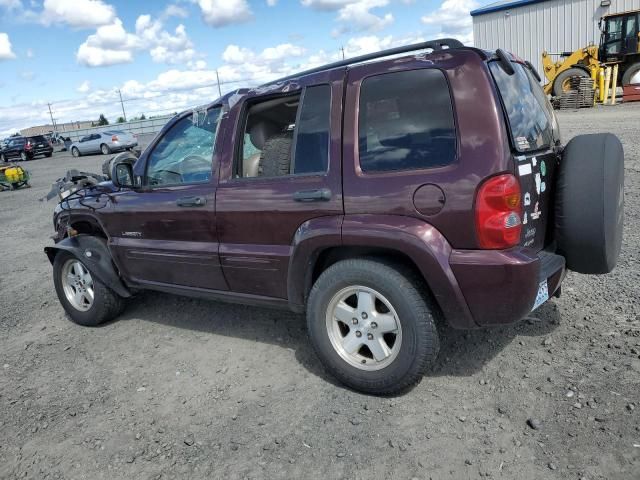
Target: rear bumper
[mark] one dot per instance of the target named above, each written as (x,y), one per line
(500,287)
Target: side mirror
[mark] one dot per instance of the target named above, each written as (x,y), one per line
(122,174)
(119,170)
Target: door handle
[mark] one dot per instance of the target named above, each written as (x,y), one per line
(191,202)
(319,195)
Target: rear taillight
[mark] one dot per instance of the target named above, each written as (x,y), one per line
(498,212)
(114,138)
(27,146)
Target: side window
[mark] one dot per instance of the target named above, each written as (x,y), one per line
(405,121)
(312,131)
(185,153)
(278,128)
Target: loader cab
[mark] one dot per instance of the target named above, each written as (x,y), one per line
(620,36)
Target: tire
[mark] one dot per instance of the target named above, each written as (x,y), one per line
(23,156)
(414,314)
(275,159)
(564,76)
(630,73)
(106,304)
(48,155)
(589,207)
(3,159)
(75,152)
(104,148)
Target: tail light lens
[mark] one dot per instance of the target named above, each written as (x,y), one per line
(499,212)
(114,138)
(27,146)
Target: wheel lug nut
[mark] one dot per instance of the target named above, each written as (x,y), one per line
(354,321)
(374,325)
(358,333)
(370,336)
(364,315)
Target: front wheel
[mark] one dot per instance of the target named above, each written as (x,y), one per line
(372,325)
(85,299)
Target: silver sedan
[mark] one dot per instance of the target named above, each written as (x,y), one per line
(104,142)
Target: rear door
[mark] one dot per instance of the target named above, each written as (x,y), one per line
(164,234)
(283,175)
(534,132)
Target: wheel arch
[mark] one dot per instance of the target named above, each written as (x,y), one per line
(95,255)
(406,241)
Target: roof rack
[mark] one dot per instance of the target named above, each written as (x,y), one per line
(434,45)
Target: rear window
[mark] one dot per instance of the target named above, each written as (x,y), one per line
(406,121)
(38,138)
(525,106)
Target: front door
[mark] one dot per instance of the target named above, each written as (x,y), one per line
(284,173)
(164,233)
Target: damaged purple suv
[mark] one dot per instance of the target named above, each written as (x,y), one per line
(378,195)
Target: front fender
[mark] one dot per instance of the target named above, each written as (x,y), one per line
(95,255)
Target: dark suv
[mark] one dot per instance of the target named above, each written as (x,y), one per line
(26,148)
(376,197)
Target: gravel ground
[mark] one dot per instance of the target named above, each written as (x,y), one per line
(182,388)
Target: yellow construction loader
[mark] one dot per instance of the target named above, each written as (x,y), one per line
(619,45)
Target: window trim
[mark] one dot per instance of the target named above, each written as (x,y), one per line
(410,171)
(146,187)
(240,132)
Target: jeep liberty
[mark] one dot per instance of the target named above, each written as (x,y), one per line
(380,195)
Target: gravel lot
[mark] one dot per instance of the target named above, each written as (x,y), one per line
(182,388)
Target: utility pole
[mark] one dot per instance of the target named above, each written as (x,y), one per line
(218,79)
(124,115)
(342,50)
(53,122)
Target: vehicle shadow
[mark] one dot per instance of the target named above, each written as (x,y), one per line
(462,353)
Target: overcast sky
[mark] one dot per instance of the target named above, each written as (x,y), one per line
(76,54)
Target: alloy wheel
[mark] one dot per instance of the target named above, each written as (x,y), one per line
(77,285)
(364,328)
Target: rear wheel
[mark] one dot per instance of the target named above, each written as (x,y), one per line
(562,83)
(372,326)
(3,158)
(23,156)
(632,75)
(48,154)
(104,148)
(75,152)
(85,299)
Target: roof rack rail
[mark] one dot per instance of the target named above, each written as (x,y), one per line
(435,45)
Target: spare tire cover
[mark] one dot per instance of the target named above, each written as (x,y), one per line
(589,206)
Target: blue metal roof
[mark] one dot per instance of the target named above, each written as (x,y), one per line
(502,5)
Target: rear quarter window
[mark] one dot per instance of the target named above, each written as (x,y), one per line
(405,121)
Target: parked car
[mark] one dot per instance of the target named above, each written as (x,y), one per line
(26,148)
(105,142)
(378,195)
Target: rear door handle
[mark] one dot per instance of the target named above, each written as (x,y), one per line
(319,195)
(191,202)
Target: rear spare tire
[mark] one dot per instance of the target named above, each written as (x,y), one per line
(589,206)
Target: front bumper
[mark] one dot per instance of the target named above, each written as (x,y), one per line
(500,286)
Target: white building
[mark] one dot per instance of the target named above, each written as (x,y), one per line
(528,27)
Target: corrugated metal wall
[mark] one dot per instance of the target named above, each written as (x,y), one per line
(555,26)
